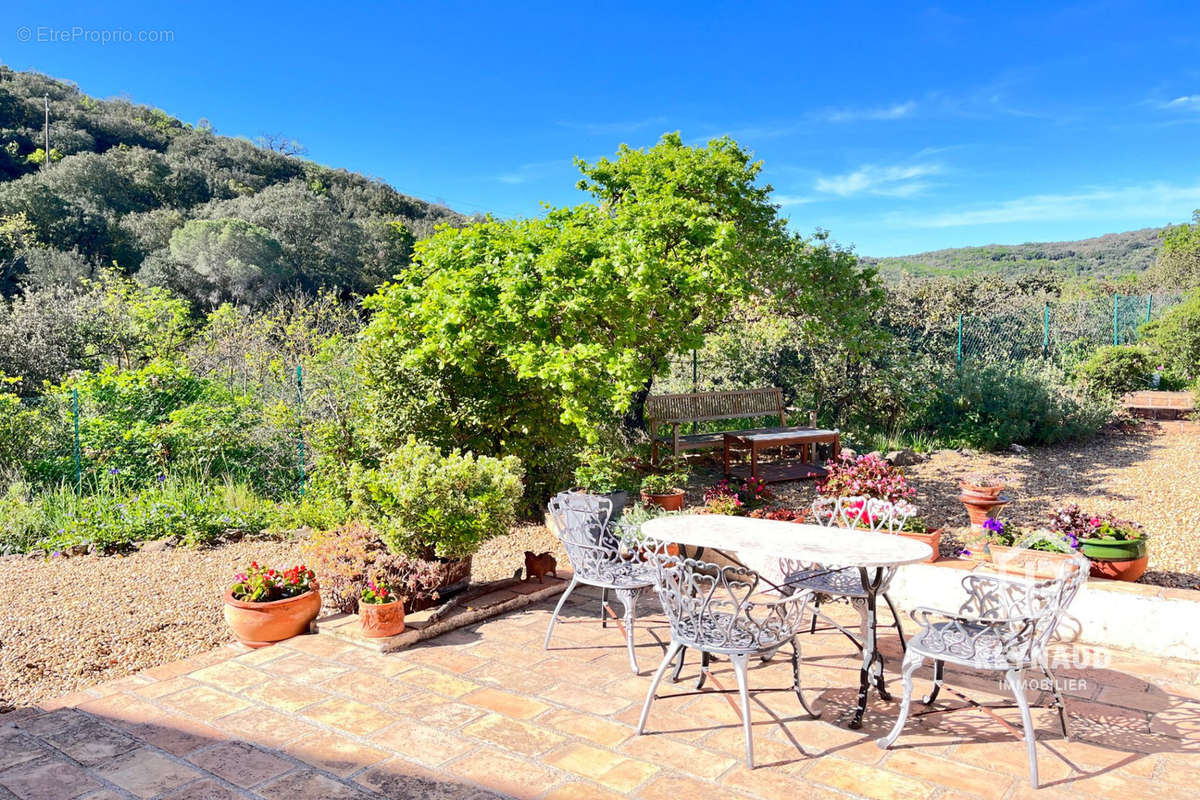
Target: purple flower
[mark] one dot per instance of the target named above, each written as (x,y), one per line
(113,471)
(993,525)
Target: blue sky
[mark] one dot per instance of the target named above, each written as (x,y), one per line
(900,128)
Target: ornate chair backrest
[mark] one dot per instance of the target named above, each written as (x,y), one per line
(864,513)
(719,606)
(1042,603)
(583,526)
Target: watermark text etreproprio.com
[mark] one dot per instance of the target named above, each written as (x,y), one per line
(76,34)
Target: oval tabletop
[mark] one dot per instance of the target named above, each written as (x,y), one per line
(840,547)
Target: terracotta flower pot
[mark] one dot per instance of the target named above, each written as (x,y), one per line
(1117,559)
(931,537)
(261,624)
(990,492)
(667,502)
(980,508)
(381,619)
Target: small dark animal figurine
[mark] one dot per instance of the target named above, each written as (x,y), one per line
(540,566)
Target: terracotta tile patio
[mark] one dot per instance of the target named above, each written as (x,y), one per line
(484,712)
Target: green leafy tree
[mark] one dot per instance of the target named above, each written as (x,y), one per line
(1178,263)
(227,259)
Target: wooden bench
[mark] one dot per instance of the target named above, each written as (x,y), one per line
(680,409)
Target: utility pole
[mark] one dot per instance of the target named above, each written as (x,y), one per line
(46,163)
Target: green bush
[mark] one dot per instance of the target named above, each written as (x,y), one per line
(991,407)
(1175,340)
(428,505)
(1114,371)
(162,419)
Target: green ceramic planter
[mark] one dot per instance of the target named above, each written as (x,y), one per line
(1117,559)
(1114,549)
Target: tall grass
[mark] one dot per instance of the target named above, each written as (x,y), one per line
(111,517)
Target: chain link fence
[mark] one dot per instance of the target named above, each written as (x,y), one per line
(1066,331)
(233,418)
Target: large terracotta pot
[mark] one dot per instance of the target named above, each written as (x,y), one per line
(931,537)
(667,502)
(381,619)
(1031,563)
(1117,559)
(981,508)
(261,624)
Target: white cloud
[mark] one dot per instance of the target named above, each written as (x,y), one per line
(894,111)
(531,171)
(893,181)
(1189,102)
(793,199)
(1145,202)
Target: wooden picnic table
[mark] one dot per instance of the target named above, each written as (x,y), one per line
(756,440)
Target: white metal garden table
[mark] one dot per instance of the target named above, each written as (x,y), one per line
(759,544)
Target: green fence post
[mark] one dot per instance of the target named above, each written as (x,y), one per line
(1046,330)
(300,425)
(958,349)
(1149,306)
(75,419)
(695,383)
(1116,327)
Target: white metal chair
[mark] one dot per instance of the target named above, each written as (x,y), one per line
(1005,625)
(828,583)
(599,557)
(723,610)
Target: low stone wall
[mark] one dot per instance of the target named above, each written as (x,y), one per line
(1129,616)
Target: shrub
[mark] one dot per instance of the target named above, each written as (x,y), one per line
(864,476)
(428,505)
(603,473)
(347,559)
(1114,371)
(989,407)
(1175,339)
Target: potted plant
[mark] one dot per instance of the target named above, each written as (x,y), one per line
(380,611)
(982,484)
(438,507)
(266,605)
(665,489)
(1118,549)
(981,496)
(915,528)
(864,476)
(606,475)
(1039,553)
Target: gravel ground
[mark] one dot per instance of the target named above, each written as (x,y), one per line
(70,623)
(1151,476)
